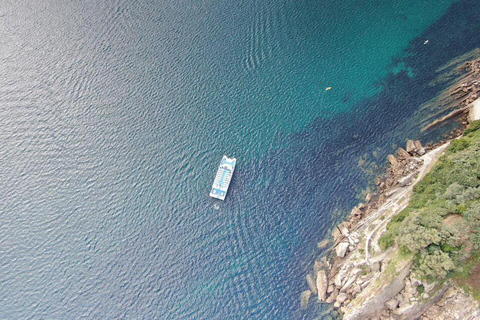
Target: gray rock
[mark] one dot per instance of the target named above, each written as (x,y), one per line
(323,244)
(333,297)
(341,297)
(356,212)
(403,153)
(474,113)
(375,267)
(392,304)
(373,306)
(341,249)
(322,284)
(344,230)
(338,280)
(330,288)
(391,158)
(348,284)
(391,192)
(410,146)
(357,288)
(311,283)
(406,180)
(304,298)
(317,266)
(419,148)
(429,286)
(368,197)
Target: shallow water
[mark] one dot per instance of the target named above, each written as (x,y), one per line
(115,114)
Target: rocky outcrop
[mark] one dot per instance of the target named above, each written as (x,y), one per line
(371,302)
(454,304)
(360,280)
(415,307)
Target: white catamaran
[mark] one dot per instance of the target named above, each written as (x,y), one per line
(223,178)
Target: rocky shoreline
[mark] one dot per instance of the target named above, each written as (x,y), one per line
(359,279)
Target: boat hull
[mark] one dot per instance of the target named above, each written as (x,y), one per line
(223,178)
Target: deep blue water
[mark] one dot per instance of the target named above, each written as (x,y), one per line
(115,114)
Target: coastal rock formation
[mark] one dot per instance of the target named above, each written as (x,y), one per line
(371,303)
(372,282)
(365,284)
(454,304)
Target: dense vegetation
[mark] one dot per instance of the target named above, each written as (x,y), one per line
(441,225)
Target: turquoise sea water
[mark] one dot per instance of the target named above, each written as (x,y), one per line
(115,114)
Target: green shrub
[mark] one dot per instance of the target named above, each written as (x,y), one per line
(458,145)
(420,289)
(472,215)
(474,126)
(386,240)
(453,191)
(434,265)
(420,231)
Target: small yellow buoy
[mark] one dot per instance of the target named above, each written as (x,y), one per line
(328,88)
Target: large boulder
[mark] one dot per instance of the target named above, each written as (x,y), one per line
(323,244)
(322,285)
(419,148)
(392,304)
(393,161)
(342,297)
(343,229)
(402,153)
(304,297)
(341,249)
(333,296)
(311,283)
(410,146)
(405,181)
